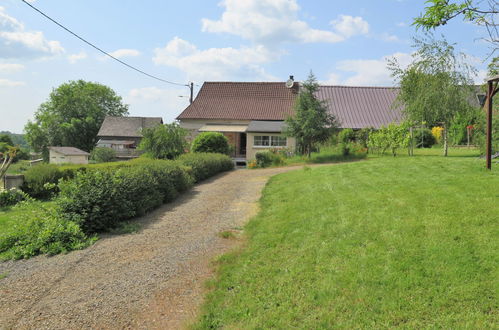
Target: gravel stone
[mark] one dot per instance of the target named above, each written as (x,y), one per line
(150,279)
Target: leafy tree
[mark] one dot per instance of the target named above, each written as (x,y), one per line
(73,115)
(164,141)
(6,139)
(478,12)
(213,142)
(391,137)
(435,87)
(311,123)
(7,158)
(103,154)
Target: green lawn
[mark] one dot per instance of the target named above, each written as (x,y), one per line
(388,242)
(11,215)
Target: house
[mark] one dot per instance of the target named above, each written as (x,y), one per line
(252,114)
(123,134)
(67,155)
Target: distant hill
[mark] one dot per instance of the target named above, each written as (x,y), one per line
(18,139)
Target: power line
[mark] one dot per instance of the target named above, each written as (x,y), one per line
(102,51)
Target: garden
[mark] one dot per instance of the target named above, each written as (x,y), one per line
(64,207)
(391,242)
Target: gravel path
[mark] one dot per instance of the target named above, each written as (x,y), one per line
(150,279)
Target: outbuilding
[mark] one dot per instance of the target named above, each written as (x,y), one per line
(67,155)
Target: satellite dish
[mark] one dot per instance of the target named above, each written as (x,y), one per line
(290,83)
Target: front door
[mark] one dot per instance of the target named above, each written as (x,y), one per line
(242,144)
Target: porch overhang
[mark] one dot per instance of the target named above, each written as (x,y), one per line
(224,128)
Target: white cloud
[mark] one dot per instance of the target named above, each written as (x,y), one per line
(215,63)
(401,24)
(16,42)
(389,37)
(267,22)
(10,83)
(73,58)
(10,67)
(373,72)
(333,79)
(349,26)
(157,102)
(120,53)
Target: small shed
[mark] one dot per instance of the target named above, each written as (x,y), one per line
(67,155)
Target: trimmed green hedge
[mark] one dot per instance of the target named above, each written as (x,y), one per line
(100,199)
(205,165)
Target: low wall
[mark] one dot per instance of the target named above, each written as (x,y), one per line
(13,181)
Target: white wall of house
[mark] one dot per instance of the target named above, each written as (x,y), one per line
(58,158)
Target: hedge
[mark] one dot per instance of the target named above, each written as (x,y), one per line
(205,165)
(99,199)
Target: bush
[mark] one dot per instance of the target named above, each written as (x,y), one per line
(103,154)
(42,231)
(101,199)
(40,181)
(346,135)
(213,142)
(423,138)
(263,158)
(12,197)
(205,165)
(164,141)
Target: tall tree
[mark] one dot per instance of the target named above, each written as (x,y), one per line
(164,141)
(73,115)
(311,123)
(480,12)
(435,86)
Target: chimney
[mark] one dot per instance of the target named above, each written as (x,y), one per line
(292,78)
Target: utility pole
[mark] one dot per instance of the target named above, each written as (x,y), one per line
(191,87)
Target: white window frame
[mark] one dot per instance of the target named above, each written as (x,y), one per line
(272,140)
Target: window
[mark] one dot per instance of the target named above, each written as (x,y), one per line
(269,141)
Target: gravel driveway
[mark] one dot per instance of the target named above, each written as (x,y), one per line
(150,279)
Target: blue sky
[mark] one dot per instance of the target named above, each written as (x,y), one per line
(343,42)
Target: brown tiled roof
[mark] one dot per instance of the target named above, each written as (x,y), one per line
(359,107)
(127,126)
(355,107)
(69,151)
(242,101)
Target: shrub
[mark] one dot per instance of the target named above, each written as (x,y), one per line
(214,142)
(42,231)
(263,158)
(362,136)
(390,137)
(164,141)
(103,154)
(423,138)
(12,197)
(205,165)
(346,135)
(41,180)
(437,133)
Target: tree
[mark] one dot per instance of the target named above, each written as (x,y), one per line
(7,157)
(73,115)
(311,123)
(435,86)
(164,141)
(479,12)
(103,154)
(6,139)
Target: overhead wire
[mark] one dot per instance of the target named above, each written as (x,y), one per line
(101,50)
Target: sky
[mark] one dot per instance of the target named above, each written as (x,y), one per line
(342,42)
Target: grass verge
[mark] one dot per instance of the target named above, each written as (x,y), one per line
(393,242)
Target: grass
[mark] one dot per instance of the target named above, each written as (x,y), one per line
(11,215)
(389,242)
(127,227)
